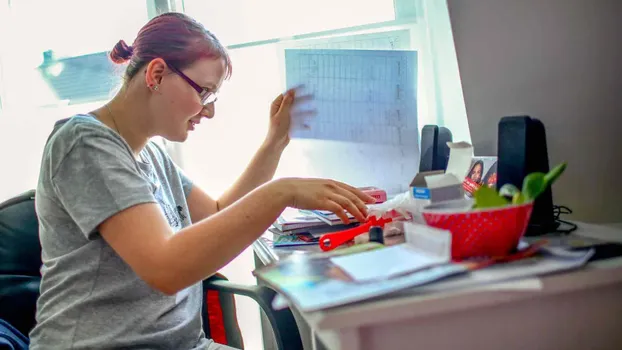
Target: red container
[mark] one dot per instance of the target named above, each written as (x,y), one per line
(490,232)
(379,195)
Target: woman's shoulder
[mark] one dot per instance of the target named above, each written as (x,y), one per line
(82,134)
(79,128)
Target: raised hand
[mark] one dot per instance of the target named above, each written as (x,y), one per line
(293,104)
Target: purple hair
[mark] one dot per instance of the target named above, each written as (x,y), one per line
(174,37)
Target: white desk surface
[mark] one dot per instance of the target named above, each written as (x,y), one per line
(335,326)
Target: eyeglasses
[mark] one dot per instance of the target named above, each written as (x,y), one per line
(207,97)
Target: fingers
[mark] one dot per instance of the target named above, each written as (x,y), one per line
(360,194)
(276,104)
(338,210)
(286,101)
(303,98)
(296,100)
(305,113)
(356,201)
(296,88)
(348,205)
(299,96)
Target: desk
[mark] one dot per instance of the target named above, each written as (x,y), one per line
(576,310)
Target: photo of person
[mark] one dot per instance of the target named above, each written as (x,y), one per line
(476,172)
(483,171)
(491,176)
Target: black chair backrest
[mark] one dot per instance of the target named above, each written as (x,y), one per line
(20,273)
(20,261)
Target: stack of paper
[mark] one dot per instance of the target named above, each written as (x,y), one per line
(314,282)
(292,219)
(297,227)
(329,217)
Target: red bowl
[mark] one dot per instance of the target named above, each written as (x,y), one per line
(480,232)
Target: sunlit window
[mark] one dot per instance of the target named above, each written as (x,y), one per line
(258,33)
(59,56)
(241,21)
(53,64)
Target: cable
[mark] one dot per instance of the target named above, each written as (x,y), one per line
(558,210)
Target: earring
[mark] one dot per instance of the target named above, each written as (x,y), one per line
(155,87)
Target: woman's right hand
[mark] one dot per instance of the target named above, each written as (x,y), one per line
(323,194)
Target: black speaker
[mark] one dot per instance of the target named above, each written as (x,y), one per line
(434,149)
(521,150)
(442,155)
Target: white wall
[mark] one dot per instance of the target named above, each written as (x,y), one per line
(559,61)
(23,132)
(22,137)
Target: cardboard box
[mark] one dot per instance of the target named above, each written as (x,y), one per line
(437,186)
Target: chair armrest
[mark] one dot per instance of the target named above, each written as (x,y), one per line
(282,321)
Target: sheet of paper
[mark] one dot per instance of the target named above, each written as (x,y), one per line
(433,241)
(361,96)
(519,275)
(384,263)
(510,272)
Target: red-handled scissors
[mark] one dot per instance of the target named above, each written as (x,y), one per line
(333,240)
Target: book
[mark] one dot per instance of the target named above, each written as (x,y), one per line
(315,231)
(293,219)
(280,240)
(329,217)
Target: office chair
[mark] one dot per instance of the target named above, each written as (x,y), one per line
(20,263)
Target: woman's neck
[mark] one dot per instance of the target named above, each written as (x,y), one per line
(127,117)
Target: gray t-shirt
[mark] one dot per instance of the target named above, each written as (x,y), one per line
(90,298)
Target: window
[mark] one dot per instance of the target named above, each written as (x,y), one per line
(244,21)
(257,34)
(62,58)
(55,67)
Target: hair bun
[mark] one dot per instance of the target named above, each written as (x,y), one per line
(121,52)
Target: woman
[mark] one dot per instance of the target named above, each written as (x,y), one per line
(476,172)
(126,237)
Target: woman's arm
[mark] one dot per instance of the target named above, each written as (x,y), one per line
(260,170)
(171,262)
(263,165)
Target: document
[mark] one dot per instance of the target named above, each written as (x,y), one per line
(362,96)
(386,263)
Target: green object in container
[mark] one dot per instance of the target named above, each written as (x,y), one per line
(533,186)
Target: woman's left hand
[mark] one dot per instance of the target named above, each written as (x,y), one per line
(286,111)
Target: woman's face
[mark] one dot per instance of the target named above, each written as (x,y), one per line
(476,173)
(178,108)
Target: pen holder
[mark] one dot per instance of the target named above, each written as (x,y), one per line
(475,233)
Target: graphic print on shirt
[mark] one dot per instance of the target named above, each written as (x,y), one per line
(174,219)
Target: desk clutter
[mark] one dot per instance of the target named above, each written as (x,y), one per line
(304,227)
(360,272)
(459,226)
(296,227)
